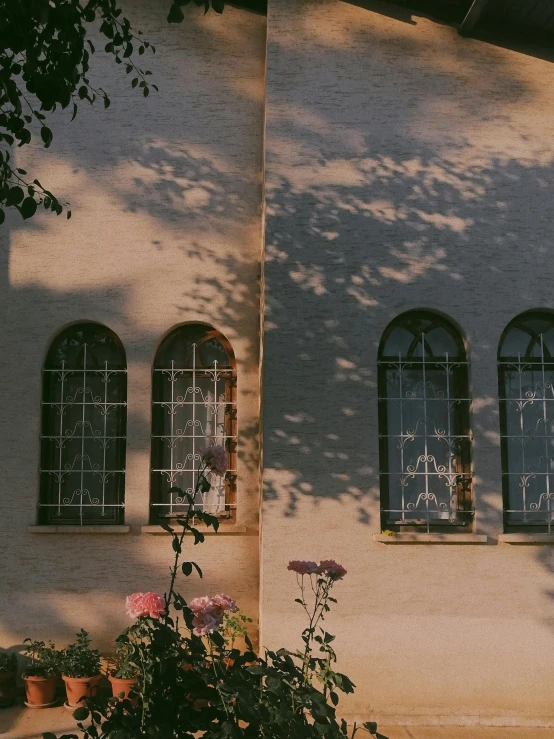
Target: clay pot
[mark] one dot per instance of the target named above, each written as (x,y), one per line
(7,689)
(122,685)
(40,691)
(78,688)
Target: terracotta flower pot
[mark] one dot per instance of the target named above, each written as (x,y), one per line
(7,689)
(122,685)
(78,688)
(40,691)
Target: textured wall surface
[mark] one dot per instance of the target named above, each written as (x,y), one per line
(406,168)
(166,228)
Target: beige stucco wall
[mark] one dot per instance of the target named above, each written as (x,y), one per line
(406,168)
(166,228)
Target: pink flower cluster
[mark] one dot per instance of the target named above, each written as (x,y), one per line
(145,604)
(216,459)
(327,567)
(209,612)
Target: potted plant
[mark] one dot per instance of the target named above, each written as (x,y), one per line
(124,675)
(41,674)
(8,666)
(80,670)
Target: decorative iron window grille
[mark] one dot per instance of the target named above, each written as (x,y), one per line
(84,420)
(193,406)
(526,394)
(425,441)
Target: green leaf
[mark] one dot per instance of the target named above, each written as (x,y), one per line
(15,196)
(218,5)
(175,14)
(166,527)
(134,83)
(81,714)
(106,101)
(74,111)
(28,208)
(176,546)
(2,216)
(187,568)
(83,91)
(49,735)
(46,135)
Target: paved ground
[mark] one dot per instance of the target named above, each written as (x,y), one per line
(22,723)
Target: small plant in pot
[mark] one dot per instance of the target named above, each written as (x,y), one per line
(124,675)
(80,670)
(41,673)
(8,667)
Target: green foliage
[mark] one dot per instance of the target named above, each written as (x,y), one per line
(126,665)
(42,660)
(45,54)
(234,627)
(190,686)
(8,662)
(78,659)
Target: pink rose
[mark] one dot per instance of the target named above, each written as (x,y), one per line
(153,605)
(133,604)
(144,604)
(208,612)
(224,603)
(303,568)
(204,623)
(216,459)
(200,604)
(332,569)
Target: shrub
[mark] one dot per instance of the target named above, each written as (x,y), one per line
(42,660)
(193,680)
(126,666)
(8,662)
(78,659)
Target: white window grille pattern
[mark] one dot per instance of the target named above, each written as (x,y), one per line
(527,416)
(197,410)
(83,442)
(425,439)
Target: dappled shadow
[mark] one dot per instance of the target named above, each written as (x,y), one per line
(418,196)
(371,216)
(403,171)
(166,228)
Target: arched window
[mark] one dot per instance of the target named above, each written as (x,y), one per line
(84,421)
(193,405)
(526,382)
(425,441)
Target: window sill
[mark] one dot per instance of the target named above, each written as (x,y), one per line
(526,538)
(79,529)
(431,539)
(224,530)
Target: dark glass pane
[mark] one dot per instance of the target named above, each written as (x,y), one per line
(83,427)
(424,411)
(418,335)
(192,407)
(96,342)
(527,334)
